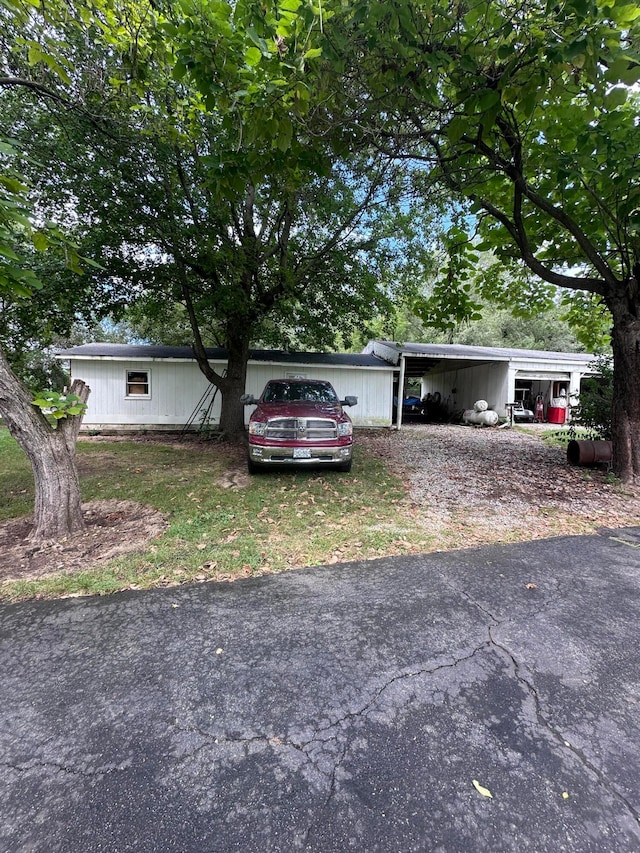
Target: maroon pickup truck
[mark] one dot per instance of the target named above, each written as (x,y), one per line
(299,421)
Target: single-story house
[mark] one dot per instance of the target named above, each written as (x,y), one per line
(140,387)
(460,375)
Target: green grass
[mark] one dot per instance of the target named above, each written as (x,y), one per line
(276,522)
(562,437)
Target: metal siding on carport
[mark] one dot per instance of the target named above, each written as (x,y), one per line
(475,382)
(544,376)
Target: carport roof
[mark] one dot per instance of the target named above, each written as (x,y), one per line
(423,358)
(138,352)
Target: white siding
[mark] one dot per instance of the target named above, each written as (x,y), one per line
(480,382)
(177,387)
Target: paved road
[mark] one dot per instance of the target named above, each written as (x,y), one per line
(346,708)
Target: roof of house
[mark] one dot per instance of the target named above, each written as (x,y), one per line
(137,352)
(462,351)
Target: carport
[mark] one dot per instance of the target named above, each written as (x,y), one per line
(457,375)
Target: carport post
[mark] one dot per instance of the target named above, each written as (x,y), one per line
(400,392)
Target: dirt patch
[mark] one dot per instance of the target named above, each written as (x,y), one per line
(469,486)
(113,528)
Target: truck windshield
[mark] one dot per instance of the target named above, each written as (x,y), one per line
(292,392)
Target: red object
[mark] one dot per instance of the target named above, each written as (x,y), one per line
(300,421)
(556,414)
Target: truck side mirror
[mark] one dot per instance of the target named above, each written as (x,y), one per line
(349,401)
(248,400)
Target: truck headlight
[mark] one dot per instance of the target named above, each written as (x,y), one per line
(345,429)
(257,428)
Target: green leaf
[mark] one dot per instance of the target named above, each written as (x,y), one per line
(40,241)
(616,97)
(488,100)
(253,56)
(13,185)
(285,134)
(7,252)
(457,128)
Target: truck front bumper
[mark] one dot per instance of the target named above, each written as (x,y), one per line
(268,455)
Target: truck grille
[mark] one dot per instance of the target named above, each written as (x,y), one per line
(310,429)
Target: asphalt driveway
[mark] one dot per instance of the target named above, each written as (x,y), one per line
(341,708)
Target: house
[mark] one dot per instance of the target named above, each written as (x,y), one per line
(460,375)
(140,387)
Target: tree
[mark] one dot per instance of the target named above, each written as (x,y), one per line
(524,111)
(185,201)
(49,445)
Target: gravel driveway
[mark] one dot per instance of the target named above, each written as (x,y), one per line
(471,486)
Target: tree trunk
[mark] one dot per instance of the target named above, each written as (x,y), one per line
(233,387)
(232,384)
(52,454)
(625,341)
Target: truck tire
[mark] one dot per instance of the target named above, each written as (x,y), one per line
(252,468)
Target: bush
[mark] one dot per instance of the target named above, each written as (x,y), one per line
(596,400)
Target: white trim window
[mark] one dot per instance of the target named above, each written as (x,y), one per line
(138,385)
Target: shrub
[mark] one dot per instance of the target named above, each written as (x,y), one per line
(596,400)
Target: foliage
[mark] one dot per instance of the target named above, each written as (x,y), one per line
(58,406)
(528,113)
(523,109)
(595,403)
(39,368)
(15,225)
(226,220)
(589,317)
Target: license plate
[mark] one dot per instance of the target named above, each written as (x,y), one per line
(302,453)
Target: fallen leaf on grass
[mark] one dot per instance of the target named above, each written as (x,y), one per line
(481,789)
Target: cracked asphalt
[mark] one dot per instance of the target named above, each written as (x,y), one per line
(338,708)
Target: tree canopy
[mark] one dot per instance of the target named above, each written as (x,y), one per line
(527,113)
(201,195)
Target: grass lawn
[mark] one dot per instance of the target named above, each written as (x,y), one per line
(275,522)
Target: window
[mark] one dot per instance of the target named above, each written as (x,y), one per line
(138,383)
(295,391)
